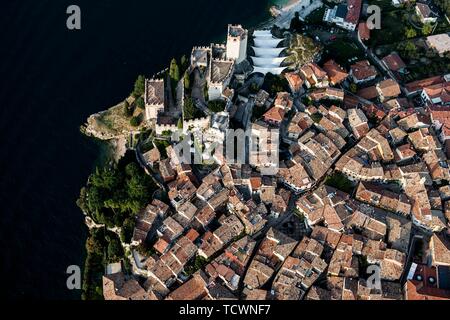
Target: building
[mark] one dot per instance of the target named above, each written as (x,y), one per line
(299,271)
(327,93)
(148,220)
(237,43)
(417,86)
(153,98)
(358,122)
(295,81)
(440,43)
(231,265)
(440,250)
(363,31)
(427,283)
(200,57)
(271,254)
(219,77)
(394,63)
(345,16)
(194,289)
(388,89)
(425,14)
(438,94)
(230,228)
(117,287)
(335,72)
(362,71)
(314,76)
(274,115)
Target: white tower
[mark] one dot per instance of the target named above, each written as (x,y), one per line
(237,43)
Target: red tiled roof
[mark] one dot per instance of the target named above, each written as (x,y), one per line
(368,93)
(364,31)
(394,62)
(363,69)
(334,72)
(441,90)
(274,114)
(420,84)
(354,10)
(160,245)
(192,235)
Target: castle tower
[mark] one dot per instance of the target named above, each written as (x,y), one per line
(153,98)
(237,43)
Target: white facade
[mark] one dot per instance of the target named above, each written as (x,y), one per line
(237,43)
(335,16)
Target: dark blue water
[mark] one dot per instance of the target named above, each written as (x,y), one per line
(51,79)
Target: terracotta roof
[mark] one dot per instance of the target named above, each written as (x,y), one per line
(334,72)
(255,182)
(394,62)
(368,93)
(362,70)
(440,250)
(420,84)
(354,10)
(294,79)
(441,114)
(275,114)
(283,100)
(161,245)
(363,31)
(389,88)
(192,235)
(194,289)
(441,90)
(415,290)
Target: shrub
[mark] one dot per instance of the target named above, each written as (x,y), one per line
(135,121)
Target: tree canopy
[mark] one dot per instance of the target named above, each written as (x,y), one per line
(116,193)
(139,86)
(140,103)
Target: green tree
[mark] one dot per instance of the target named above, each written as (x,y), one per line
(427,28)
(187,81)
(408,50)
(184,62)
(140,103)
(180,124)
(139,86)
(444,5)
(216,105)
(126,233)
(127,109)
(174,71)
(115,250)
(135,121)
(190,110)
(410,33)
(274,84)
